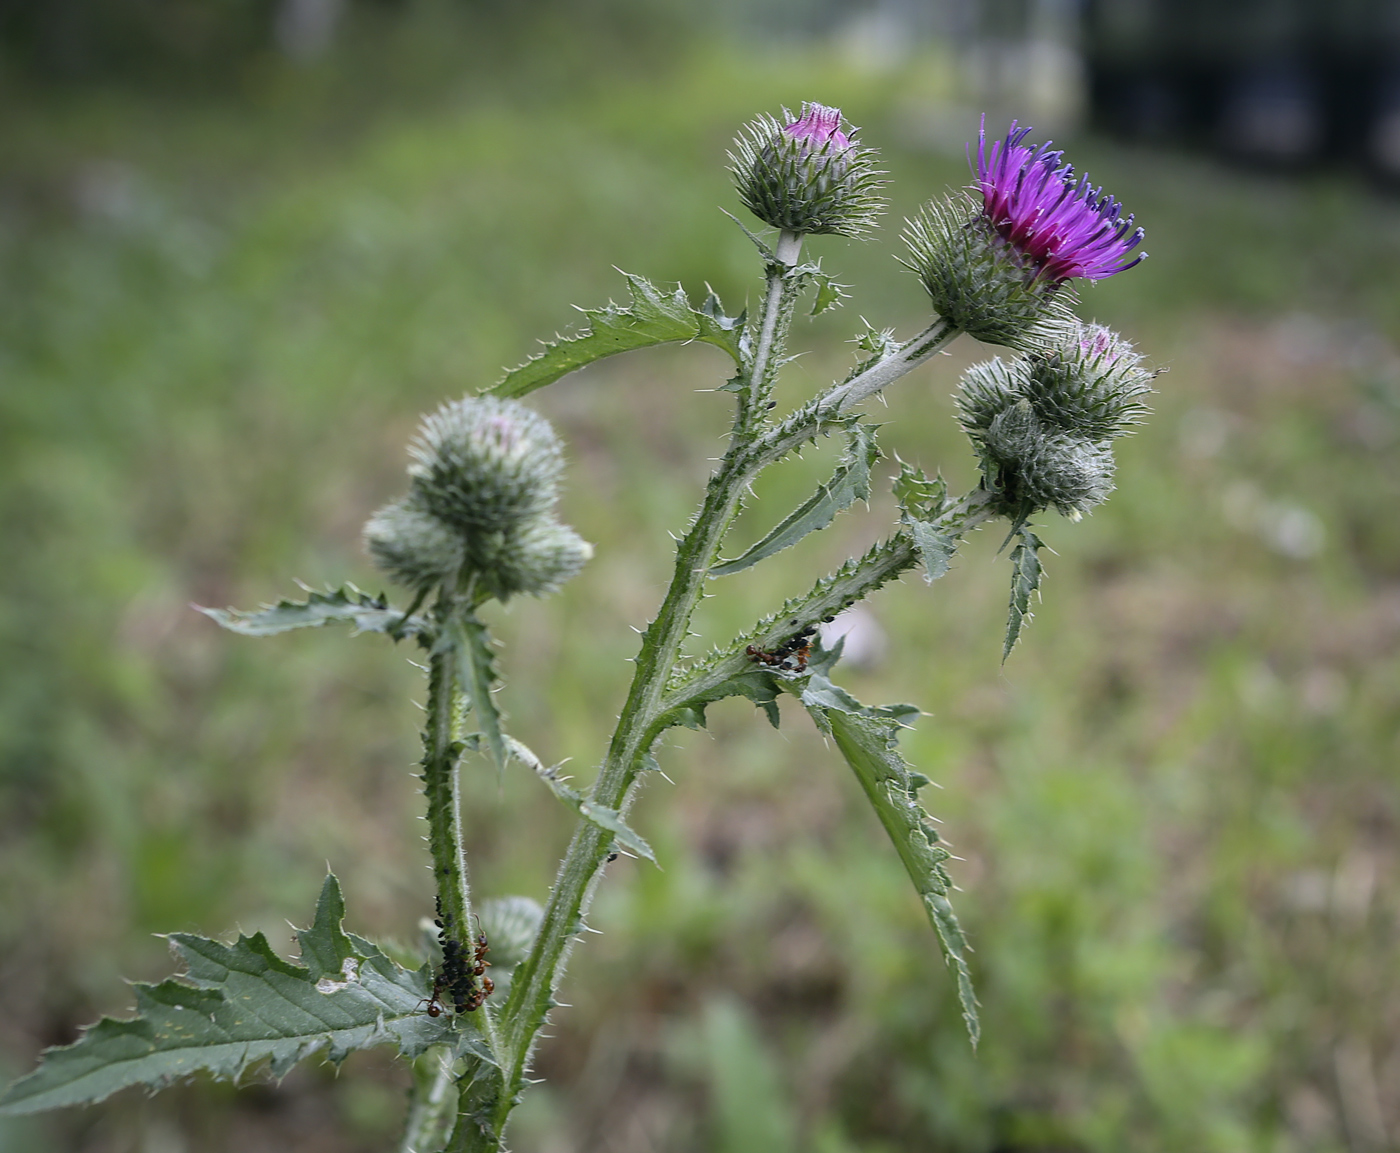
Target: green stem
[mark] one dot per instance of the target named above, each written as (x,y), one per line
(488,1096)
(441,756)
(780,299)
(430,1103)
(853,582)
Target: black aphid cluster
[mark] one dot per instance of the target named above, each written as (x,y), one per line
(462,965)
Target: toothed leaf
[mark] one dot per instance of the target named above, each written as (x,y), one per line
(348,605)
(935,548)
(850,483)
(653,317)
(918,496)
(829,294)
(869,744)
(239,1005)
(477,669)
(1025,581)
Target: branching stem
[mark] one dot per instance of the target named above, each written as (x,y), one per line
(489,1094)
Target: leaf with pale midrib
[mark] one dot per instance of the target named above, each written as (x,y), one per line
(348,605)
(653,317)
(242,1004)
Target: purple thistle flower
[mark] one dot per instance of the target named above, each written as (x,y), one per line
(818,126)
(1063,227)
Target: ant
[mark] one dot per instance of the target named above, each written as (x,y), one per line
(790,656)
(459,975)
(434,1003)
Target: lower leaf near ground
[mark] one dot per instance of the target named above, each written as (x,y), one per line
(242,1004)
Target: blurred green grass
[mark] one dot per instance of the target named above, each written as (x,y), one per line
(1175,805)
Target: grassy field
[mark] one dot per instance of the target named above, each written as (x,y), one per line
(1175,805)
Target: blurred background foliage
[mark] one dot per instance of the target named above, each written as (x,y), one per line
(241,251)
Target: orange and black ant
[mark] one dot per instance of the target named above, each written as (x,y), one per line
(458,978)
(790,656)
(434,1003)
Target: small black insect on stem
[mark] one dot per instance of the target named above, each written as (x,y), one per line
(458,979)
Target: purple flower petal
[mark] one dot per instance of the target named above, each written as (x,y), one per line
(819,125)
(1063,227)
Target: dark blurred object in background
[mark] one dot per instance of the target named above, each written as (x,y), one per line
(1286,83)
(189,46)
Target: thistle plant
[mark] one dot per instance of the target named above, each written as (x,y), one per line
(478,524)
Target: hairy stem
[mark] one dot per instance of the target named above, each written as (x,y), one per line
(441,756)
(487,1102)
(856,580)
(430,1102)
(487,1095)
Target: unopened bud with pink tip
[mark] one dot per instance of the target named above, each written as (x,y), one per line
(804,174)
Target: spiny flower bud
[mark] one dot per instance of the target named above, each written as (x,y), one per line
(1068,472)
(994,268)
(414,547)
(539,559)
(483,464)
(806,175)
(1088,381)
(1091,381)
(481,506)
(1042,423)
(1030,466)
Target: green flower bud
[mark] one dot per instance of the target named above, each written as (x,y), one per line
(481,507)
(1090,382)
(1013,434)
(483,465)
(806,175)
(539,559)
(979,281)
(1067,471)
(414,547)
(987,390)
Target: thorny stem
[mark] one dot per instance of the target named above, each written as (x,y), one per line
(780,296)
(441,755)
(489,1095)
(430,1102)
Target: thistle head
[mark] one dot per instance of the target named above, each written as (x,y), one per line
(480,509)
(805,174)
(1042,423)
(1060,228)
(994,260)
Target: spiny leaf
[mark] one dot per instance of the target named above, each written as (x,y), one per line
(829,294)
(652,317)
(605,818)
(819,692)
(757,685)
(869,744)
(241,1004)
(936,548)
(1025,581)
(919,496)
(348,605)
(850,483)
(477,669)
